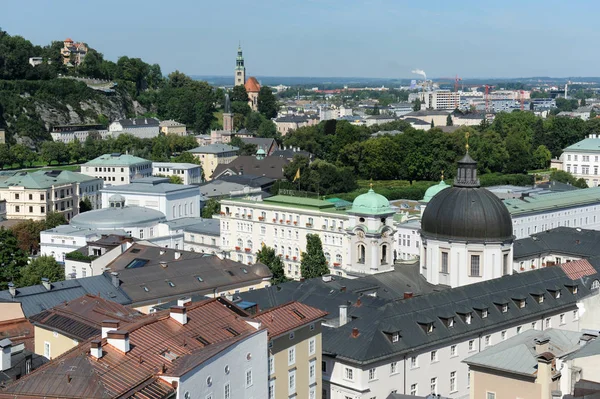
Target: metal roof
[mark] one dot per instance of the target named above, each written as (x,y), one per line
(116,160)
(36,298)
(213,149)
(150,185)
(560,240)
(553,201)
(115,218)
(45,178)
(585,145)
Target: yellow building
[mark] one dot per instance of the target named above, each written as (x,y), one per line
(63,327)
(172,127)
(294,331)
(212,155)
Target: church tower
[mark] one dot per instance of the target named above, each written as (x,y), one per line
(240,69)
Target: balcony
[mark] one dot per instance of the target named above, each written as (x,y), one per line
(309,225)
(247,249)
(260,218)
(237,248)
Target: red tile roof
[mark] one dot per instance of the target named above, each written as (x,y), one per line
(287,317)
(82,318)
(252,85)
(212,326)
(578,268)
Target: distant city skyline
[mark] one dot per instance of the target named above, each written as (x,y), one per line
(328,38)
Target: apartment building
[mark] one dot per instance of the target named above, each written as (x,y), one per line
(69,133)
(416,345)
(203,237)
(213,155)
(63,327)
(188,172)
(143,128)
(117,169)
(282,222)
(294,333)
(439,99)
(172,127)
(33,195)
(582,159)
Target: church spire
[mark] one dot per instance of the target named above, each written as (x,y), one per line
(240,69)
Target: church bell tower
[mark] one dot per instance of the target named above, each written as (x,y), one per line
(240,69)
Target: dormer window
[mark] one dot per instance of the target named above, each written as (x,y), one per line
(450,322)
(540,298)
(395,337)
(574,289)
(429,328)
(468,318)
(504,308)
(522,303)
(557,294)
(484,313)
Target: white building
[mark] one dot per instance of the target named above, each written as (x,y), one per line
(582,159)
(143,128)
(188,172)
(355,241)
(117,169)
(439,99)
(175,201)
(203,236)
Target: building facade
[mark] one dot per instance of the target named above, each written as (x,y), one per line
(212,155)
(172,127)
(143,128)
(582,160)
(33,195)
(117,169)
(188,172)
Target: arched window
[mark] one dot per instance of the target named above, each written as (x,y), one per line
(338,258)
(384,254)
(240,242)
(249,244)
(361,253)
(296,252)
(596,285)
(289,252)
(328,257)
(310,221)
(275,248)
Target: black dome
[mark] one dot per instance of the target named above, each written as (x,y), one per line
(467,214)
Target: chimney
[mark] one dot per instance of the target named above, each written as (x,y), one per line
(542,345)
(179,314)
(343,288)
(355,332)
(46,283)
(358,303)
(326,278)
(115,279)
(5,354)
(96,349)
(119,339)
(343,314)
(109,325)
(177,255)
(544,373)
(184,301)
(12,290)
(408,295)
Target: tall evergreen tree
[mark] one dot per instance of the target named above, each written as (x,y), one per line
(12,258)
(267,256)
(267,103)
(313,262)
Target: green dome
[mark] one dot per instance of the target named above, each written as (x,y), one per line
(371,203)
(433,190)
(260,152)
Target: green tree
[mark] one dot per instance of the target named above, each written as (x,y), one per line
(212,207)
(267,103)
(75,150)
(54,151)
(313,263)
(6,159)
(449,121)
(41,267)
(12,258)
(582,102)
(54,219)
(85,205)
(188,157)
(268,257)
(417,105)
(267,129)
(239,94)
(27,233)
(541,157)
(174,179)
(245,149)
(22,155)
(568,178)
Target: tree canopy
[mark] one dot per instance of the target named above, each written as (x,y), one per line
(267,256)
(313,263)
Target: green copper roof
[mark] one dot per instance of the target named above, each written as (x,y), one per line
(371,203)
(45,179)
(286,200)
(433,190)
(585,145)
(116,160)
(554,201)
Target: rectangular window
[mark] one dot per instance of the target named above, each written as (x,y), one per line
(271,364)
(324,366)
(488,340)
(393,367)
(227,391)
(505,266)
(349,373)
(453,350)
(562,319)
(272,389)
(491,395)
(413,389)
(413,362)
(503,335)
(471,345)
(548,322)
(47,350)
(312,344)
(291,382)
(372,374)
(575,315)
(444,268)
(30,209)
(434,386)
(475,272)
(291,355)
(248,378)
(312,371)
(434,356)
(452,381)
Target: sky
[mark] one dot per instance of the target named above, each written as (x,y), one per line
(328,38)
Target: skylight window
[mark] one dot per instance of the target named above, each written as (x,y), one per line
(171,284)
(169,355)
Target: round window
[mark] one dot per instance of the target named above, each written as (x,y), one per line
(226,369)
(187,395)
(248,356)
(209,381)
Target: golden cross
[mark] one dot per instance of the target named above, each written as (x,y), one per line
(467,137)
(442,174)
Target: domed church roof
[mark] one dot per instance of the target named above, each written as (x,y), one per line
(371,203)
(433,190)
(467,212)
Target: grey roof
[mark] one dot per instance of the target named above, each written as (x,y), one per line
(219,188)
(560,240)
(260,142)
(175,165)
(249,180)
(213,149)
(205,226)
(592,348)
(292,119)
(18,360)
(416,121)
(138,122)
(382,117)
(36,298)
(428,112)
(151,185)
(118,218)
(377,318)
(290,153)
(518,354)
(271,167)
(146,280)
